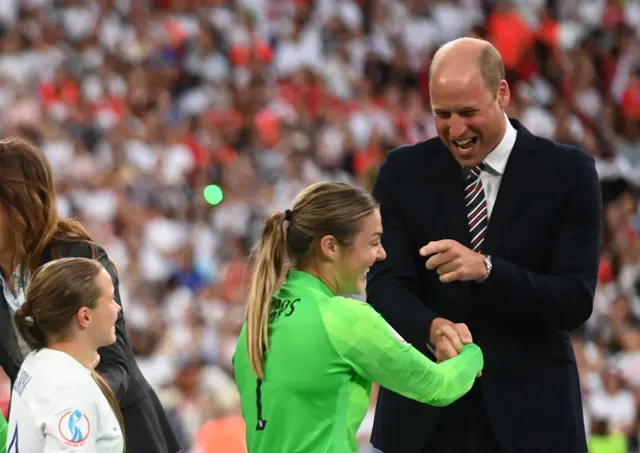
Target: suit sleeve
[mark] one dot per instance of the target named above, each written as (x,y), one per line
(562,297)
(113,358)
(392,283)
(366,342)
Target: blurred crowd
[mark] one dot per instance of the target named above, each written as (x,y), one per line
(139,105)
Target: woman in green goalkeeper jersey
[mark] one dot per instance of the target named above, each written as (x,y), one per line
(306,357)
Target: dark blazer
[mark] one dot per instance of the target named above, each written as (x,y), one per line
(544,239)
(146,425)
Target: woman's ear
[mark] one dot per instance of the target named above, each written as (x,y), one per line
(83,317)
(329,247)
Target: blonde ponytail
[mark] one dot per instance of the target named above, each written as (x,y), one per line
(113,402)
(268,270)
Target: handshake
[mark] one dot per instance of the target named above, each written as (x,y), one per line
(449,338)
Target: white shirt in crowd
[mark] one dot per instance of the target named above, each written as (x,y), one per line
(57,407)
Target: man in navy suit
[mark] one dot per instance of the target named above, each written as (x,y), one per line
(493,232)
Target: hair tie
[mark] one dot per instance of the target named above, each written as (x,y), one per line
(288,215)
(26,311)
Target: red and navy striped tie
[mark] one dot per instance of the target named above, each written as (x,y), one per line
(476,203)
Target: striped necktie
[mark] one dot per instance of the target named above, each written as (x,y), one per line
(477,215)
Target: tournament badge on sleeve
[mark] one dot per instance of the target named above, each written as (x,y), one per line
(74,427)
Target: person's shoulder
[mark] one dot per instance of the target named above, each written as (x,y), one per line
(343,315)
(87,249)
(349,315)
(71,384)
(58,399)
(557,154)
(83,249)
(566,152)
(44,386)
(42,361)
(409,163)
(412,153)
(68,391)
(576,157)
(562,163)
(80,249)
(349,306)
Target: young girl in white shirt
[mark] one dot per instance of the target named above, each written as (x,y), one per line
(58,403)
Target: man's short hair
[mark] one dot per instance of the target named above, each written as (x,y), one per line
(492,69)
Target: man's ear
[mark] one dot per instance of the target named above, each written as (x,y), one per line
(504,94)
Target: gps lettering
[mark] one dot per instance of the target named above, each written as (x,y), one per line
(282,307)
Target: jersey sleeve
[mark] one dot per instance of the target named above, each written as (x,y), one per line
(4,430)
(70,421)
(376,351)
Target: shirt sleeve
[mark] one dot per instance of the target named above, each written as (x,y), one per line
(70,422)
(4,430)
(376,351)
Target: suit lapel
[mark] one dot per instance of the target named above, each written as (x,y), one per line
(449,189)
(514,183)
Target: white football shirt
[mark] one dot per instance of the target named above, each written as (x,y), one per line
(57,407)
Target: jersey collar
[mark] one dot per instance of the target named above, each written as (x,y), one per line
(308,281)
(64,359)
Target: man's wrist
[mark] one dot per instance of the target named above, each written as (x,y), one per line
(488,264)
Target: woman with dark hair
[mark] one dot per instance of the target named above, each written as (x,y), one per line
(32,234)
(57,400)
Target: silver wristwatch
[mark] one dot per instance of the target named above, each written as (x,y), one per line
(487,262)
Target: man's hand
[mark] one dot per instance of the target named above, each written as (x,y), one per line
(453,261)
(448,338)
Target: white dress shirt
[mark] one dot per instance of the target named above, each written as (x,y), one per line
(496,162)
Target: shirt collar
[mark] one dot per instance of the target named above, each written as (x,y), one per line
(308,281)
(16,279)
(62,357)
(497,159)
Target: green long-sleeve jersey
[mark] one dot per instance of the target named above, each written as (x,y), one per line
(4,429)
(324,353)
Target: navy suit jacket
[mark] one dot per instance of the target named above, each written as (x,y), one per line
(544,239)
